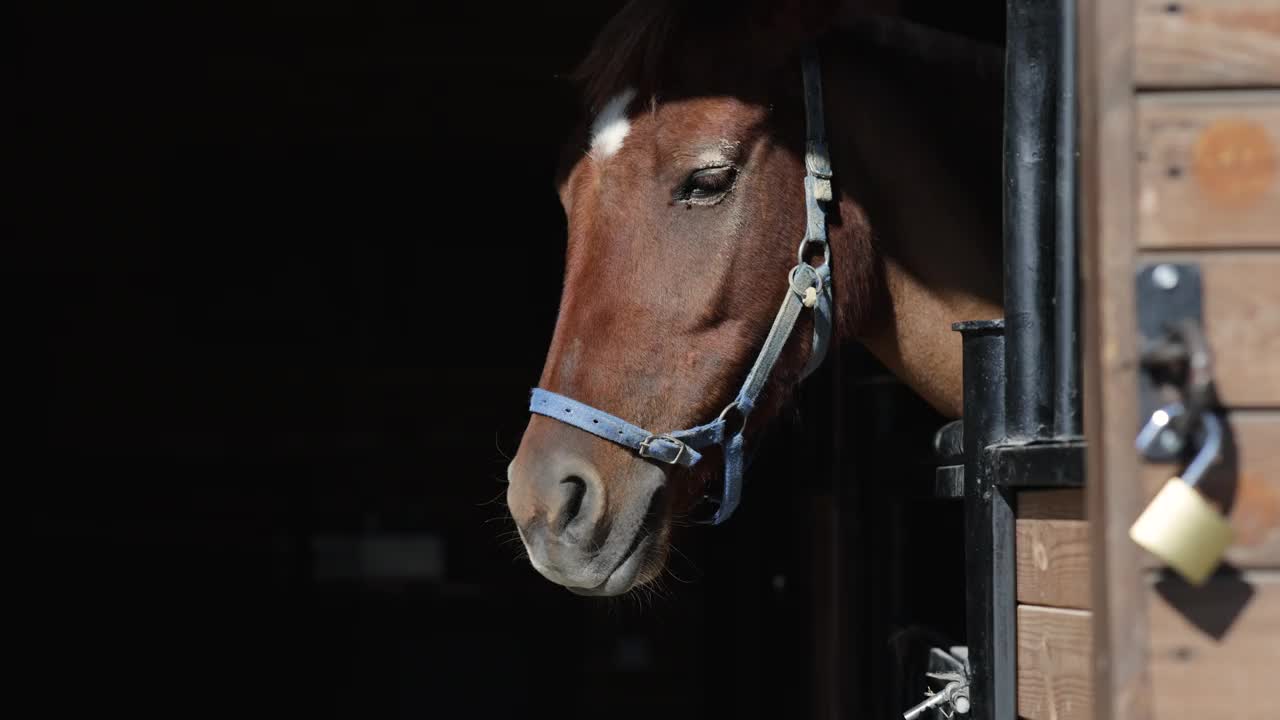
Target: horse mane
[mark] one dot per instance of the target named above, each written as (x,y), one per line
(634,47)
(915,41)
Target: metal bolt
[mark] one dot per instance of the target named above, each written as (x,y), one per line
(1165,276)
(1170,442)
(944,697)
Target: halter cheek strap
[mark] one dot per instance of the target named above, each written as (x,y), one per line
(809,288)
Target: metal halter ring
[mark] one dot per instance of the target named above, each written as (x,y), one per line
(643,450)
(806,245)
(817,279)
(724,414)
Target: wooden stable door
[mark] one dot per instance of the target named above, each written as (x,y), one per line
(1180,139)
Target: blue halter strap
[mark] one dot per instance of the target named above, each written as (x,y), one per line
(810,288)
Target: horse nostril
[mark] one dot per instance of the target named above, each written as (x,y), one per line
(575,491)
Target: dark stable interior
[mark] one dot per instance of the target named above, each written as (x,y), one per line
(284,273)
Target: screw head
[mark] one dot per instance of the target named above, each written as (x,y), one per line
(1165,276)
(1170,442)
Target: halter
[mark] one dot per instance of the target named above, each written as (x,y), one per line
(810,287)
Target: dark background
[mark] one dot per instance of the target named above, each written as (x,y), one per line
(279,279)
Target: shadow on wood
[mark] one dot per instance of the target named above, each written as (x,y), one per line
(1213,610)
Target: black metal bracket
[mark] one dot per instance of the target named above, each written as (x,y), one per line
(1037,465)
(948,482)
(948,448)
(1169,296)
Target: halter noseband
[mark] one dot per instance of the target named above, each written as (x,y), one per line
(810,287)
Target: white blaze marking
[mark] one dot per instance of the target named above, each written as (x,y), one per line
(611,126)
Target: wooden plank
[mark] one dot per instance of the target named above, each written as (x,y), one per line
(1055,664)
(1109,354)
(1215,650)
(1209,170)
(1058,504)
(1247,481)
(1242,320)
(1053,563)
(1207,43)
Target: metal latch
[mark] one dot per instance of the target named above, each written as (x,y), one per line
(951,671)
(1181,527)
(1174,353)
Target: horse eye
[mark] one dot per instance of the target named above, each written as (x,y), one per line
(707,184)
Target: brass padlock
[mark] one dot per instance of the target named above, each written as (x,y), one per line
(1181,527)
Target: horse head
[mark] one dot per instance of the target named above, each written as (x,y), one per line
(685,201)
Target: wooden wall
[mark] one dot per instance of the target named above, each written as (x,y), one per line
(1054,621)
(1180,162)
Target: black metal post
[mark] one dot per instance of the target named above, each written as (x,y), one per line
(990,596)
(1066,404)
(1031,65)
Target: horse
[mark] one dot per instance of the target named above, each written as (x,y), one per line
(685,192)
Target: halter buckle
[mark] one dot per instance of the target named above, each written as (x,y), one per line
(644,452)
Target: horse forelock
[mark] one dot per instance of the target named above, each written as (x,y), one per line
(629,51)
(641,45)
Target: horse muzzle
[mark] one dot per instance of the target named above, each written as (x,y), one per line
(590,533)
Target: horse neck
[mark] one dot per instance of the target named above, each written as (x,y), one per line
(916,148)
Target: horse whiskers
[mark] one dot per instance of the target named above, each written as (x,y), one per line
(642,594)
(655,588)
(681,520)
(499,518)
(680,552)
(672,573)
(652,589)
(496,499)
(497,444)
(656,591)
(510,538)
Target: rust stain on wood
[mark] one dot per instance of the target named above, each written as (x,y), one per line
(1209,169)
(1234,162)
